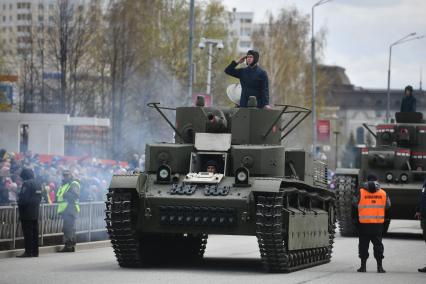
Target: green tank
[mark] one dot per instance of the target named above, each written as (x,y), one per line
(258,188)
(399,161)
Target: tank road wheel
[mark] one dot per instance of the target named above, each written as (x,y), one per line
(121,219)
(269,232)
(345,191)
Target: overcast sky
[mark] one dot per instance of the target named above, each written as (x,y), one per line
(359,35)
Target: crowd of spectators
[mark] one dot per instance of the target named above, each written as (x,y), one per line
(93,175)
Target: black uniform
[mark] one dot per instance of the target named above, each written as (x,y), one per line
(409,102)
(254,81)
(370,232)
(29,199)
(4,193)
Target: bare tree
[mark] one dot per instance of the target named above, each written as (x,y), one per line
(68,35)
(284,46)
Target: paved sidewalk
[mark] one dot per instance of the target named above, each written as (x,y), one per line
(51,249)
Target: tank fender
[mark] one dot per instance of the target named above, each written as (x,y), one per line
(266,184)
(129,181)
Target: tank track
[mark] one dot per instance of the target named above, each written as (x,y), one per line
(120,223)
(345,191)
(271,238)
(133,249)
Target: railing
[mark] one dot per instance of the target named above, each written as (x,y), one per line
(90,220)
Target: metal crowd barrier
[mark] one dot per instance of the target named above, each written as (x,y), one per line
(90,220)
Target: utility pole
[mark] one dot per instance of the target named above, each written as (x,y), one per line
(218,43)
(314,79)
(191,40)
(404,39)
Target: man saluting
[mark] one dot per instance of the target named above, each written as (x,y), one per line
(253,79)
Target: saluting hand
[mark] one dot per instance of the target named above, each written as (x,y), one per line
(241,60)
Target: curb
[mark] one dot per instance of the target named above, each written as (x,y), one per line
(53,249)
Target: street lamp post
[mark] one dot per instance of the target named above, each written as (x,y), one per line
(209,72)
(191,39)
(210,43)
(336,148)
(406,38)
(314,78)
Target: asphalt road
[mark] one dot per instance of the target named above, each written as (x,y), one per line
(228,259)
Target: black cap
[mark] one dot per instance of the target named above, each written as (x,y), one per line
(371,177)
(212,163)
(255,56)
(27,174)
(409,88)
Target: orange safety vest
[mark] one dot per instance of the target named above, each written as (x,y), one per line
(371,206)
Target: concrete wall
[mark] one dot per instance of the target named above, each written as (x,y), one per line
(8,132)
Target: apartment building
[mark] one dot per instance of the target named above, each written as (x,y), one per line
(21,20)
(241,28)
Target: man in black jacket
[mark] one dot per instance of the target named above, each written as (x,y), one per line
(408,103)
(29,199)
(253,79)
(421,215)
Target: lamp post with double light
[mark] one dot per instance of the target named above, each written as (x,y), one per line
(210,43)
(404,39)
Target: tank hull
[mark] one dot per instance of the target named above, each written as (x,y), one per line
(181,214)
(296,219)
(404,199)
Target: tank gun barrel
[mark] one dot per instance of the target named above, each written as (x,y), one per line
(216,123)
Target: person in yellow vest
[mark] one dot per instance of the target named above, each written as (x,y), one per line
(370,208)
(68,207)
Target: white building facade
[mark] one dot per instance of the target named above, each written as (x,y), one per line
(21,20)
(45,133)
(241,29)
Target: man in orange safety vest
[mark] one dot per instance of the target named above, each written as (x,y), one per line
(370,208)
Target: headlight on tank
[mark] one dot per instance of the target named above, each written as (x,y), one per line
(404,177)
(242,177)
(389,177)
(164,174)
